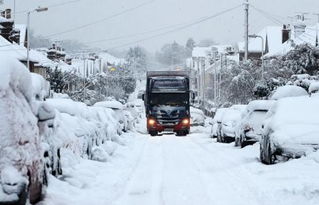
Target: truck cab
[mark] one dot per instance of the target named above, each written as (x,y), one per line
(167,102)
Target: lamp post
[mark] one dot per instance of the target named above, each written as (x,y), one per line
(40,9)
(262,52)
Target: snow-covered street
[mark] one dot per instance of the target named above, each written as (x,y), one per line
(190,170)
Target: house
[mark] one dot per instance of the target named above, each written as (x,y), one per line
(300,34)
(204,65)
(273,38)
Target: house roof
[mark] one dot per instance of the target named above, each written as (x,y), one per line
(106,57)
(201,51)
(309,37)
(271,34)
(206,51)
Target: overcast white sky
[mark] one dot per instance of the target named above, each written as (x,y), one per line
(227,28)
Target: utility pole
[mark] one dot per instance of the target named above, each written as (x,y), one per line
(246,28)
(317,14)
(14,10)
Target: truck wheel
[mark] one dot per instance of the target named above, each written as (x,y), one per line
(153,133)
(181,133)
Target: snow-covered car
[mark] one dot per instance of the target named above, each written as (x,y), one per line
(291,129)
(314,89)
(120,115)
(229,121)
(22,173)
(249,129)
(197,117)
(216,123)
(288,91)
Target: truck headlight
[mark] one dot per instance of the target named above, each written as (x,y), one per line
(151,122)
(185,121)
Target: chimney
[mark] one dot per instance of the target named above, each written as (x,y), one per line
(299,28)
(7,13)
(285,33)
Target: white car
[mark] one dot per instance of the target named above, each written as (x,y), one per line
(119,114)
(291,129)
(216,123)
(288,91)
(249,129)
(197,117)
(229,121)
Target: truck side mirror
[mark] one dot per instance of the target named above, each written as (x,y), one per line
(193,96)
(143,96)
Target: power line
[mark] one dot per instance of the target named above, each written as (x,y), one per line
(267,15)
(133,35)
(51,6)
(179,28)
(101,20)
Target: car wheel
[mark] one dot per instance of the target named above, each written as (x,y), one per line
(266,155)
(236,141)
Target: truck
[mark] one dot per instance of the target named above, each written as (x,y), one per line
(167,102)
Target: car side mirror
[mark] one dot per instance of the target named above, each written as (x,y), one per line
(143,97)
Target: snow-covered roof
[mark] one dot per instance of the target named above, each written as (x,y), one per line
(201,51)
(309,37)
(23,31)
(206,51)
(106,57)
(2,19)
(13,50)
(271,34)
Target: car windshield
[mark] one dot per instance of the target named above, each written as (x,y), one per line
(170,99)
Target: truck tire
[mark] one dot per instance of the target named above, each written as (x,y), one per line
(181,133)
(153,133)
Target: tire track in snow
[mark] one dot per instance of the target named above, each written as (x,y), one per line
(145,184)
(245,182)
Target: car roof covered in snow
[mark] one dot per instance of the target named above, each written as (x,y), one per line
(295,119)
(219,114)
(259,105)
(113,104)
(288,91)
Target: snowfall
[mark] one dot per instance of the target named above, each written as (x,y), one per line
(125,166)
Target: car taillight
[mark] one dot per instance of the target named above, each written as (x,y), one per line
(185,121)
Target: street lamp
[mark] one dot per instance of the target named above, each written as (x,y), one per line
(262,52)
(39,9)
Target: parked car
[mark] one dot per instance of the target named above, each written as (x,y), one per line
(22,173)
(216,123)
(291,129)
(288,91)
(229,121)
(249,129)
(118,108)
(197,117)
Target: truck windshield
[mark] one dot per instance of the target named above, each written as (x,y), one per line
(162,84)
(170,99)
